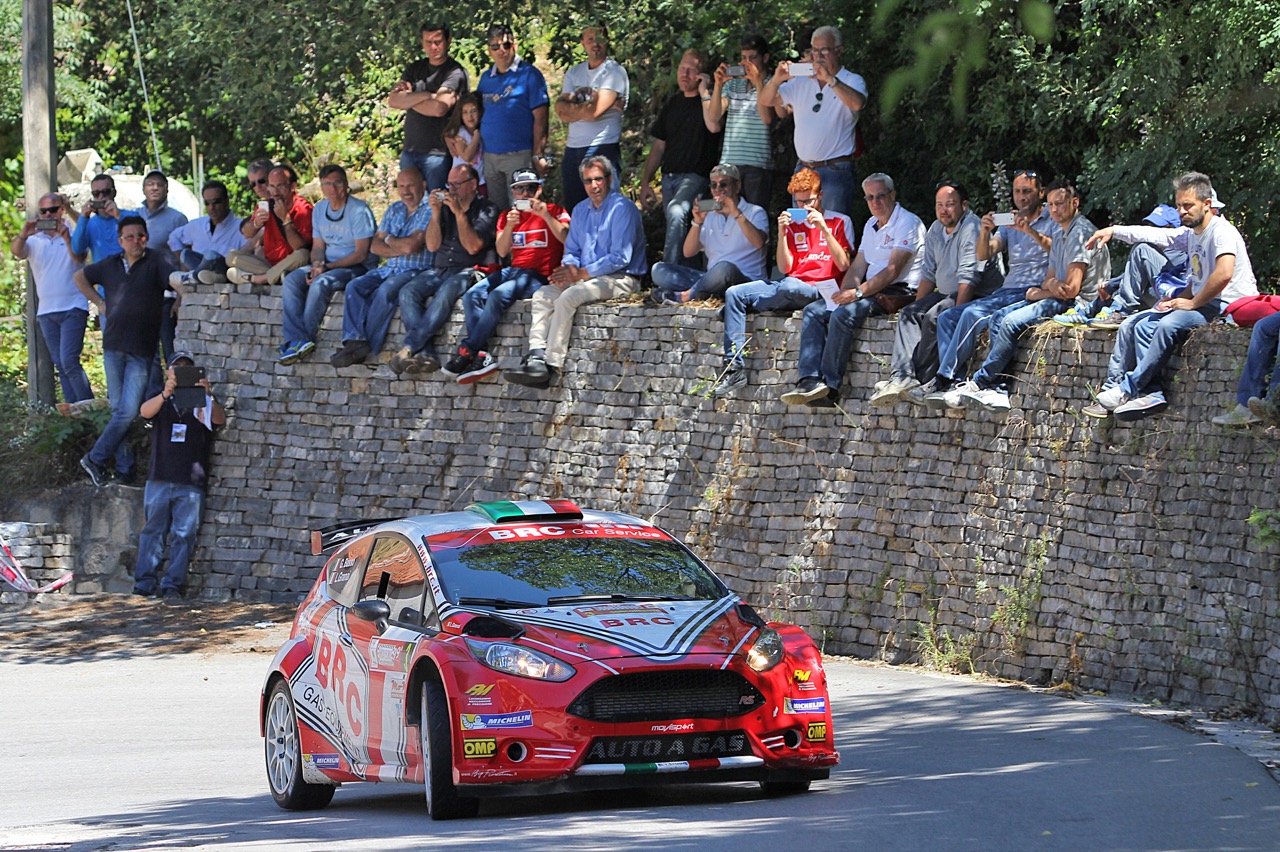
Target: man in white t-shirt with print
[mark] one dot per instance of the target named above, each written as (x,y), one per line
(595,94)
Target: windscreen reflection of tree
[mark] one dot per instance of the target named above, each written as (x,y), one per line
(588,566)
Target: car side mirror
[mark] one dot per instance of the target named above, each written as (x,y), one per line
(374,611)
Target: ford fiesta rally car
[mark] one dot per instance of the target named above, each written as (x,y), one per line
(530,647)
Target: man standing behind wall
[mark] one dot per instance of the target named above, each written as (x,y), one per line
(427,91)
(595,94)
(514,122)
(731,104)
(826,107)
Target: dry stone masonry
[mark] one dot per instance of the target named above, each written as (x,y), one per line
(1043,546)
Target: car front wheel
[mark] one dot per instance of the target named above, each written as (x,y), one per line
(443,801)
(284,757)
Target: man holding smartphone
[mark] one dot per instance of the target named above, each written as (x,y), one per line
(825,99)
(284,221)
(532,235)
(62,310)
(97,232)
(730,104)
(181,443)
(731,231)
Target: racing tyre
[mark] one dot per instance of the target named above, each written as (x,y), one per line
(776,789)
(284,757)
(443,801)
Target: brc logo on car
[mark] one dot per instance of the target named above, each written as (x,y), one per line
(635,622)
(331,674)
(486,721)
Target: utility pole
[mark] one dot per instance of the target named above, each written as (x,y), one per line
(40,151)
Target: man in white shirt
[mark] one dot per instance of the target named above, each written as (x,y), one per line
(595,94)
(205,242)
(1219,271)
(826,107)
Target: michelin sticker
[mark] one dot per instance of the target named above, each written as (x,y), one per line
(802,706)
(322,761)
(486,721)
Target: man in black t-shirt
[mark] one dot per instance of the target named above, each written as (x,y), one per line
(427,92)
(133,284)
(686,150)
(181,440)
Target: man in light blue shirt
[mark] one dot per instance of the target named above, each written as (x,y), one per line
(514,123)
(204,243)
(97,232)
(604,258)
(342,230)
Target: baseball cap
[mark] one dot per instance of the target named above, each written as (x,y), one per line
(525,176)
(1163,216)
(728,170)
(1214,202)
(178,356)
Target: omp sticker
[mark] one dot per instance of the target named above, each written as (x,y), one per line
(486,721)
(816,732)
(479,748)
(801,706)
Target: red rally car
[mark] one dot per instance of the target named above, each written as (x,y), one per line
(531,647)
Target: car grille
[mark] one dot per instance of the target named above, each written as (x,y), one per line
(676,694)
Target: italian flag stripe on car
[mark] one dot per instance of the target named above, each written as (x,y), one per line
(502,510)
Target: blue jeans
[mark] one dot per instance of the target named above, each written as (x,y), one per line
(194,261)
(173,512)
(714,282)
(434,167)
(1140,270)
(426,303)
(574,191)
(484,304)
(1146,341)
(754,297)
(1261,374)
(839,185)
(305,304)
(126,383)
(1006,326)
(959,327)
(826,338)
(64,338)
(679,192)
(370,303)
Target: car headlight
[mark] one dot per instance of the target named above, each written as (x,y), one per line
(522,662)
(766,652)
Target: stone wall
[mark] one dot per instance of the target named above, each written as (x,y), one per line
(1040,546)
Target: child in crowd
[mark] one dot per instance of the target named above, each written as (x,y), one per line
(462,135)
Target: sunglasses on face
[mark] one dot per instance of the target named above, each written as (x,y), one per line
(48,210)
(505,45)
(258,182)
(879,196)
(103,193)
(722,184)
(595,180)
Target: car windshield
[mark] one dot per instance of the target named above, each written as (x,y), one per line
(529,566)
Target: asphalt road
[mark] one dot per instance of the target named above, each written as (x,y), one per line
(162,752)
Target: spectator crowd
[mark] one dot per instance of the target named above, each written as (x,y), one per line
(472,223)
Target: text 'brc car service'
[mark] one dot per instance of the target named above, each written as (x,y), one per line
(531,647)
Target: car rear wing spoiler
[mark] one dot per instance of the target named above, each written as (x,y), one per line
(332,536)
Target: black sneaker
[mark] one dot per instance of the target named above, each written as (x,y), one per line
(96,473)
(352,352)
(126,478)
(831,400)
(427,362)
(533,372)
(481,365)
(734,377)
(458,364)
(806,390)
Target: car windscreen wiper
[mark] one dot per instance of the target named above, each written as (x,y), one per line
(611,598)
(499,603)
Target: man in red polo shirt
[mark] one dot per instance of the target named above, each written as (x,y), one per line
(285,223)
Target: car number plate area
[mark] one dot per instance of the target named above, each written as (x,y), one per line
(666,747)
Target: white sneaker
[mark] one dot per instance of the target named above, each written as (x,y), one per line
(1111,398)
(992,399)
(953,398)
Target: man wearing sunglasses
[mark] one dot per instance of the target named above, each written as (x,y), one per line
(826,107)
(461,233)
(204,243)
(733,238)
(532,236)
(284,224)
(514,121)
(1028,240)
(97,232)
(686,150)
(62,310)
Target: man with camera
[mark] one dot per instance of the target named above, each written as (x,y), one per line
(731,232)
(284,223)
(825,99)
(686,149)
(183,416)
(730,103)
(97,233)
(62,310)
(461,234)
(595,94)
(133,282)
(532,235)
